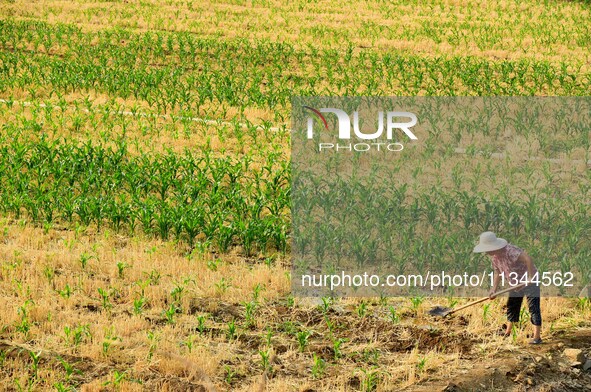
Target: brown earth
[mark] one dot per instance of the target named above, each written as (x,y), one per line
(531,368)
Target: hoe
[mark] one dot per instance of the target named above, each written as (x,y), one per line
(441,311)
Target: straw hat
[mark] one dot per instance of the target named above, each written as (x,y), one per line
(489,242)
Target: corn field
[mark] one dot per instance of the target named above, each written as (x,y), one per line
(420,209)
(148,217)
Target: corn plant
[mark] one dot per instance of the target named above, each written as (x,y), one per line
(326,303)
(229,374)
(201,319)
(116,379)
(213,264)
(59,387)
(265,363)
(269,337)
(336,348)
(121,267)
(256,291)
(66,292)
(139,305)
(302,338)
(485,311)
(361,309)
(170,312)
(49,273)
(68,368)
(394,316)
(35,357)
(154,278)
(231,331)
(189,343)
(249,311)
(421,363)
(177,295)
(2,357)
(78,334)
(370,379)
(105,297)
(153,340)
(24,326)
(416,302)
(163,194)
(223,285)
(110,338)
(84,259)
(318,367)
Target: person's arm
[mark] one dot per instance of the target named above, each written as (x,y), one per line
(495,286)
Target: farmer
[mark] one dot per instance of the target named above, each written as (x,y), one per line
(513,266)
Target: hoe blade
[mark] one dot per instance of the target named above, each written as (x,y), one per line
(440,311)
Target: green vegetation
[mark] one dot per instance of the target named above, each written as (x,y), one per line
(145,184)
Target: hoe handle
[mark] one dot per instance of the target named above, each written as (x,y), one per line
(486,298)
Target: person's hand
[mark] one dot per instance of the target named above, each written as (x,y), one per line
(491,294)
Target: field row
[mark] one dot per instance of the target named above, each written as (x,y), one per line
(229,202)
(146,131)
(152,67)
(491,30)
(189,196)
(388,229)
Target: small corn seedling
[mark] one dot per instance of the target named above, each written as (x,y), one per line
(213,264)
(485,312)
(394,316)
(24,326)
(189,342)
(361,309)
(269,337)
(35,358)
(59,387)
(223,285)
(110,339)
(416,303)
(318,367)
(177,295)
(231,332)
(154,278)
(249,311)
(170,312)
(49,273)
(153,340)
(370,378)
(302,338)
(121,267)
(256,291)
(69,369)
(105,297)
(201,319)
(139,305)
(326,303)
(77,335)
(229,374)
(336,348)
(84,259)
(66,292)
(116,379)
(421,363)
(265,360)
